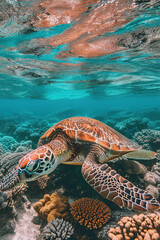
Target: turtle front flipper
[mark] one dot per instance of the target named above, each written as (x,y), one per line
(110,185)
(10,180)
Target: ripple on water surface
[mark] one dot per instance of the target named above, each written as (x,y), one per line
(51,49)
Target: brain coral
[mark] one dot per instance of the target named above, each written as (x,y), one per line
(90,213)
(58,229)
(140,227)
(54,206)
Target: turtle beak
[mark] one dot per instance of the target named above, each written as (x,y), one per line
(10,180)
(26,176)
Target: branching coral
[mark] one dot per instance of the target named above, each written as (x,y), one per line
(58,229)
(90,213)
(140,227)
(54,206)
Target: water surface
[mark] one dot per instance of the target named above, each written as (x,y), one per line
(88,56)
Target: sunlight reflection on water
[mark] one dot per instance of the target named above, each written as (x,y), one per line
(53,49)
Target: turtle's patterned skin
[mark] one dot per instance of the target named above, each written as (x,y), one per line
(90,143)
(116,188)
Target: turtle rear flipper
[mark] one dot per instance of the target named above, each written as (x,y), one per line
(110,185)
(10,180)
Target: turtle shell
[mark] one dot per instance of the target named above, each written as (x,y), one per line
(84,129)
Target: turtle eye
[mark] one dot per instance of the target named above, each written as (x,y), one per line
(34,167)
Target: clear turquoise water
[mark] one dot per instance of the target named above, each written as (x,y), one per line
(33,79)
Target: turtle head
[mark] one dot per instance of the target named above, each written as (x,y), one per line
(36,163)
(33,165)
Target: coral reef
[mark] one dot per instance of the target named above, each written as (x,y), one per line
(31,130)
(131,125)
(152,180)
(7,143)
(42,181)
(140,227)
(17,131)
(15,195)
(22,132)
(39,184)
(9,161)
(51,207)
(148,139)
(58,229)
(90,213)
(73,187)
(116,216)
(3,200)
(8,215)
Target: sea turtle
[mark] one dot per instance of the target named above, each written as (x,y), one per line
(90,143)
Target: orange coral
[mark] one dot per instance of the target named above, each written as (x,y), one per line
(90,213)
(140,227)
(54,206)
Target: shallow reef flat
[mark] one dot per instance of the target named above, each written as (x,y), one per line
(19,214)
